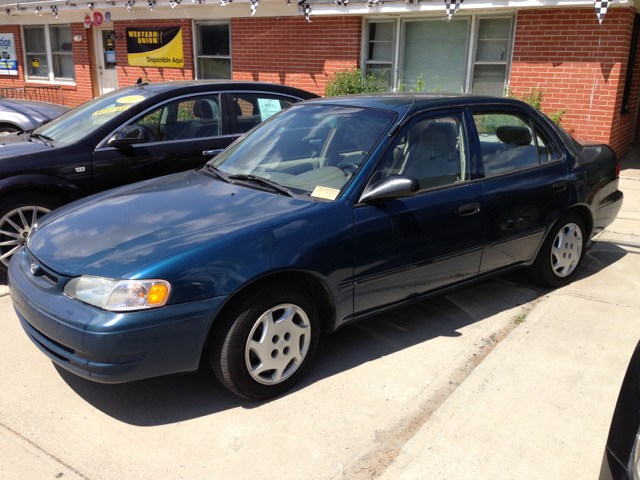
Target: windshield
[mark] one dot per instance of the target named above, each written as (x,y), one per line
(311,149)
(81,121)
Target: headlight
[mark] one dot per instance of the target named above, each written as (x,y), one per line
(119,295)
(634,460)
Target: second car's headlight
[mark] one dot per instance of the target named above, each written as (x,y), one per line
(119,295)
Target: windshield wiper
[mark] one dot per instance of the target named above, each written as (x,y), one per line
(220,175)
(46,140)
(263,181)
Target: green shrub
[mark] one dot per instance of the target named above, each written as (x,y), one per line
(534,98)
(351,80)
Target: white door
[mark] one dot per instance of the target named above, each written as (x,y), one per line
(105,40)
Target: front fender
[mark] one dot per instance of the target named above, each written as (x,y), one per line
(33,181)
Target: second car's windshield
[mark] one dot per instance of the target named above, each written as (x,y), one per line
(311,149)
(83,120)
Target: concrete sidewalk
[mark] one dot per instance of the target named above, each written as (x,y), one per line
(539,406)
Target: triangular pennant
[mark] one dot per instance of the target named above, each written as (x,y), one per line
(173,3)
(54,11)
(452,7)
(152,3)
(224,3)
(341,3)
(601,8)
(129,4)
(254,6)
(372,3)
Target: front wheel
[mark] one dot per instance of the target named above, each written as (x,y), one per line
(264,342)
(557,262)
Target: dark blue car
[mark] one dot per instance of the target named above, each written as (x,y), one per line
(331,211)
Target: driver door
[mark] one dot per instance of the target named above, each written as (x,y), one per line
(180,132)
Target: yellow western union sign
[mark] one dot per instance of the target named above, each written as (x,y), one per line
(155,47)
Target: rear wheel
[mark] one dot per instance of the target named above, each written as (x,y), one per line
(264,342)
(18,214)
(559,258)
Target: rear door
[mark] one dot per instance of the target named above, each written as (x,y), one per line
(185,134)
(526,184)
(407,246)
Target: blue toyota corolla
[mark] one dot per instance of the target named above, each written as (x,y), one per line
(331,211)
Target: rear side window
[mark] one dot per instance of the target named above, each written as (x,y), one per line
(250,109)
(506,141)
(546,152)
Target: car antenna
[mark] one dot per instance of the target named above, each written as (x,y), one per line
(403,120)
(140,83)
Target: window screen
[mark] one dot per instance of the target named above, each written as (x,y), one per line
(380,51)
(214,51)
(36,50)
(436,50)
(492,56)
(62,52)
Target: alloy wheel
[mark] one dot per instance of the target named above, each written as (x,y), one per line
(278,344)
(15,227)
(566,250)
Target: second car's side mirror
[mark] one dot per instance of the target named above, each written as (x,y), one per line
(397,186)
(129,135)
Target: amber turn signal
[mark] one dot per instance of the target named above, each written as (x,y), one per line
(157,294)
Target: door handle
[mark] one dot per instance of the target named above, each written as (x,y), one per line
(469,209)
(212,152)
(560,186)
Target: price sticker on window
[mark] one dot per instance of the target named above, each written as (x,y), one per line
(35,62)
(325,192)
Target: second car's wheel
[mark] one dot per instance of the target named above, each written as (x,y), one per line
(264,341)
(18,214)
(557,262)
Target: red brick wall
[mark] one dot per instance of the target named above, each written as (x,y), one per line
(74,95)
(581,65)
(128,75)
(291,51)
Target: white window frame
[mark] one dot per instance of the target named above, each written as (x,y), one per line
(471,47)
(196,40)
(394,47)
(47,43)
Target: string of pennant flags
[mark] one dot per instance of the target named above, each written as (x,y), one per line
(451,6)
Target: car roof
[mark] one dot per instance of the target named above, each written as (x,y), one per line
(400,102)
(187,86)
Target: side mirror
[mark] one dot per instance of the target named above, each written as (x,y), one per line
(129,135)
(397,186)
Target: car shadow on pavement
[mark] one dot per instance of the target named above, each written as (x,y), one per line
(171,399)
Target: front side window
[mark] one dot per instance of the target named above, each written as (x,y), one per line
(213,50)
(308,148)
(506,141)
(49,53)
(246,110)
(195,117)
(432,150)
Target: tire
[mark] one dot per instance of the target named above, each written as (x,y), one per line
(16,220)
(6,129)
(561,254)
(240,344)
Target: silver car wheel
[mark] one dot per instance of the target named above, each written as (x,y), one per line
(278,344)
(566,250)
(15,227)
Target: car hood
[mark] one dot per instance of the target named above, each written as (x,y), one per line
(118,232)
(15,144)
(30,108)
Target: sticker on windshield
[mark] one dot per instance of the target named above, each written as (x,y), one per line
(130,99)
(112,110)
(325,192)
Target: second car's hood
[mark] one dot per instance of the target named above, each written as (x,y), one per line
(120,231)
(14,144)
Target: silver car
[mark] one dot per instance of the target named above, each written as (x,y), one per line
(19,115)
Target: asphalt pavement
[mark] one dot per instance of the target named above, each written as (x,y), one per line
(499,380)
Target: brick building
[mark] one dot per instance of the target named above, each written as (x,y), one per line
(585,68)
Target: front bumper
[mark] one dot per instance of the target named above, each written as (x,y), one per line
(103,346)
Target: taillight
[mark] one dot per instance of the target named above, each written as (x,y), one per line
(617,169)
